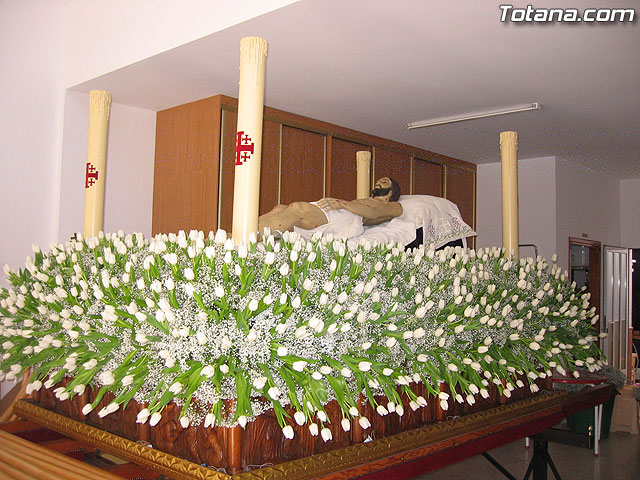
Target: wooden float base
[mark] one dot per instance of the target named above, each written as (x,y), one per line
(408,453)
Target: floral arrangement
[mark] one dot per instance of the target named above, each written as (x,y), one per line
(285,324)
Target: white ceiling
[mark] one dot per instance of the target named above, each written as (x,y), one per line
(374,65)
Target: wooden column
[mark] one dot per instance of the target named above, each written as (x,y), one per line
(246,192)
(509,154)
(95,169)
(234,449)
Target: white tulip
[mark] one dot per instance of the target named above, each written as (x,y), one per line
(364,366)
(209,420)
(155,418)
(242,421)
(288,432)
(346,424)
(274,393)
(364,422)
(260,382)
(382,411)
(299,418)
(299,365)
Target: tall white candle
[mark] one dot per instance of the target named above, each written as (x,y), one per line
(95,168)
(510,226)
(363,172)
(246,194)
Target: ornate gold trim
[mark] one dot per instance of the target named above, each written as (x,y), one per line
(404,443)
(169,465)
(375,454)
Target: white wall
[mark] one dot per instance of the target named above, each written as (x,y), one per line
(104,35)
(630,213)
(31,49)
(536,207)
(588,202)
(559,199)
(129,178)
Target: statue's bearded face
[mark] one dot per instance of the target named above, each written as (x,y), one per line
(380,192)
(381,188)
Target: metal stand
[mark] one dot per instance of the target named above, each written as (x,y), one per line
(540,460)
(496,464)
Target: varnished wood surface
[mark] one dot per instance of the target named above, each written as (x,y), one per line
(20,459)
(302,165)
(459,437)
(185,184)
(427,178)
(262,441)
(195,152)
(269,169)
(388,163)
(337,131)
(341,168)
(168,465)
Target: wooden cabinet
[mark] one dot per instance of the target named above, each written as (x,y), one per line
(302,159)
(341,168)
(269,169)
(428,177)
(302,165)
(393,164)
(185,182)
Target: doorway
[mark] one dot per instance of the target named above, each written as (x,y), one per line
(584,268)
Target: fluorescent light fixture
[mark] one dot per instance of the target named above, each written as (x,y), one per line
(473,115)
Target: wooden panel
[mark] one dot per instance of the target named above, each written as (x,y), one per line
(185,183)
(302,166)
(188,165)
(395,165)
(336,131)
(22,459)
(341,169)
(427,178)
(268,169)
(461,190)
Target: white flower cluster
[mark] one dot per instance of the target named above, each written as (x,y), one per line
(286,324)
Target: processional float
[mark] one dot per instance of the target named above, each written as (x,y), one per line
(410,443)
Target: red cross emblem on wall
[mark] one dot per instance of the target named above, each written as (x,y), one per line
(91,175)
(244,149)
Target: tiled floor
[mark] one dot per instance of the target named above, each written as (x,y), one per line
(619,460)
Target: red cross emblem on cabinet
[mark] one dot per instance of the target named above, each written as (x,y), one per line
(91,175)
(244,148)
